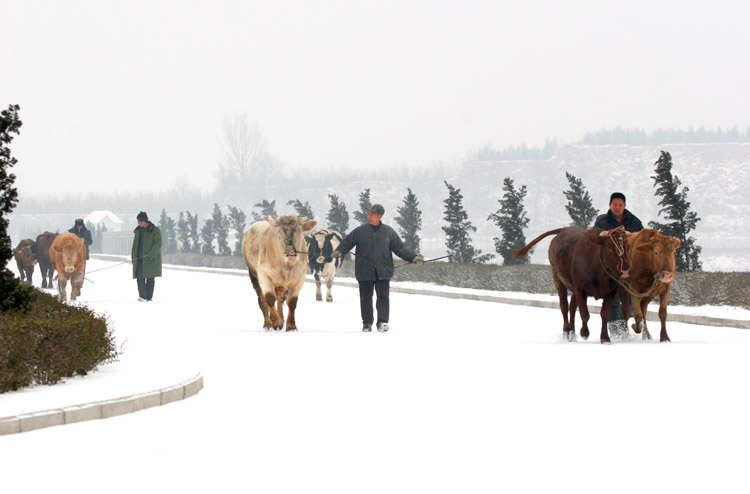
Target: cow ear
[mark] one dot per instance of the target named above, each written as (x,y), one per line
(596,239)
(675,242)
(645,247)
(57,248)
(306,227)
(271,220)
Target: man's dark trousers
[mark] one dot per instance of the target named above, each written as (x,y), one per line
(383,304)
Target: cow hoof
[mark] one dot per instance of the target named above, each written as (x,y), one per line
(569,335)
(291,329)
(665,339)
(606,341)
(318,299)
(329,300)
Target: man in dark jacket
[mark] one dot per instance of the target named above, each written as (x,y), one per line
(146,256)
(615,217)
(373,264)
(83,233)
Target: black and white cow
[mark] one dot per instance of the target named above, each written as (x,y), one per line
(323,243)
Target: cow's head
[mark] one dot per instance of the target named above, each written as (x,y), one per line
(313,249)
(69,255)
(612,252)
(290,232)
(659,250)
(26,254)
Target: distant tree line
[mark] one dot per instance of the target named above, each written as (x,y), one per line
(639,137)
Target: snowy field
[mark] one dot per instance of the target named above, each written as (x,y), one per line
(460,396)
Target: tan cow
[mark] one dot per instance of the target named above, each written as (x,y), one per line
(652,269)
(68,256)
(276,255)
(25,254)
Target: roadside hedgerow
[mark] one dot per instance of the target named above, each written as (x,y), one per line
(51,341)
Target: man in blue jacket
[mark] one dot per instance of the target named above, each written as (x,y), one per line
(617,216)
(373,264)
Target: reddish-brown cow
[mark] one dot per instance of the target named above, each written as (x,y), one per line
(25,254)
(68,254)
(651,275)
(588,263)
(43,243)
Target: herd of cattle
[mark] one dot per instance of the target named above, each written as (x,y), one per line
(598,263)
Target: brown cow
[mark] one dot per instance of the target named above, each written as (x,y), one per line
(586,262)
(276,255)
(25,254)
(68,254)
(46,267)
(651,274)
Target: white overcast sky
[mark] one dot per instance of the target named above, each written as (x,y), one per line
(132,95)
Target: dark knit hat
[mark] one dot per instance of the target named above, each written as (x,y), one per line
(377,209)
(142,216)
(78,222)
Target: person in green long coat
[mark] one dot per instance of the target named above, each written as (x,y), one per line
(146,256)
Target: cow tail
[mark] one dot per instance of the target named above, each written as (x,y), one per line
(519,253)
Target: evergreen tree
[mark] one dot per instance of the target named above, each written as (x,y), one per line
(364,204)
(195,242)
(579,207)
(183,232)
(338,217)
(457,239)
(13,293)
(301,209)
(207,237)
(168,234)
(266,209)
(409,221)
(511,218)
(237,223)
(681,221)
(221,231)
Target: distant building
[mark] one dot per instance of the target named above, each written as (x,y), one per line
(106,218)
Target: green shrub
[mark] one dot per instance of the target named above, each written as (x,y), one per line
(51,341)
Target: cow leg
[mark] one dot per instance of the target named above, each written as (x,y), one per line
(583,309)
(280,299)
(291,324)
(663,299)
(644,310)
(562,295)
(28,275)
(329,284)
(61,288)
(293,297)
(572,313)
(76,282)
(277,323)
(606,306)
(638,315)
(625,304)
(261,301)
(318,293)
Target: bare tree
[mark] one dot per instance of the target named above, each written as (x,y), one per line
(243,149)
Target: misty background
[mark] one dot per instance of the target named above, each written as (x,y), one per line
(126,107)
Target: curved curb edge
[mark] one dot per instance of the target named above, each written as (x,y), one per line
(100,409)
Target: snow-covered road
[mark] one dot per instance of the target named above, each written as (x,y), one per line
(460,396)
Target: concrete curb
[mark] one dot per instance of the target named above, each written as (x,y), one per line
(100,409)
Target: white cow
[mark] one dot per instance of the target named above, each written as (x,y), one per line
(276,255)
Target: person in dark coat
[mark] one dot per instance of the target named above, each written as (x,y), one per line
(83,233)
(617,216)
(146,256)
(376,243)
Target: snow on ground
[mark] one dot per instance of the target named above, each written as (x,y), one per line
(460,396)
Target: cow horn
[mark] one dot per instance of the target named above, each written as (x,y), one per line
(605,233)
